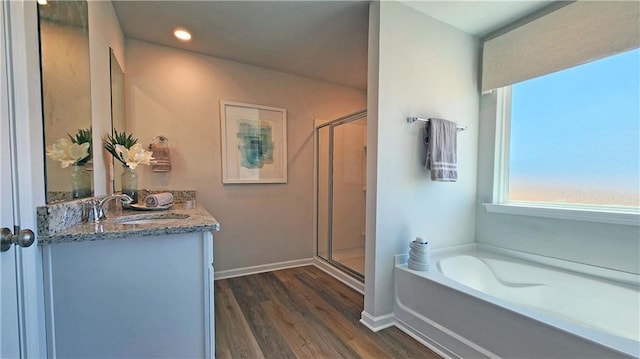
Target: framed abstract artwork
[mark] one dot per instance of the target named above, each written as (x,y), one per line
(254,143)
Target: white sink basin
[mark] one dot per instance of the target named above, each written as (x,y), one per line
(159,218)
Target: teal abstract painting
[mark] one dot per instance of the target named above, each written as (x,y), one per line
(255,143)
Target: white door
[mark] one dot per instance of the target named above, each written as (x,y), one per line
(21,179)
(9,329)
(9,338)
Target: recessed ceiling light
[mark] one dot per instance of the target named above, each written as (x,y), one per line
(182,34)
(42,2)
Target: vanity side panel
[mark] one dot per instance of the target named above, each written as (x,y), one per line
(209,295)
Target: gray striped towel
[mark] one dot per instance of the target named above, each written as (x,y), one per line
(442,158)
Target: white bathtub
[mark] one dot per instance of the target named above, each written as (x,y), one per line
(474,303)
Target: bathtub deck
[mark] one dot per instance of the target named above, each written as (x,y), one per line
(300,313)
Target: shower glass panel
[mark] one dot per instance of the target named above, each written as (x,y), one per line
(323,192)
(341,192)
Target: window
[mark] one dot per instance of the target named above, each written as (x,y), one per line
(569,143)
(575,135)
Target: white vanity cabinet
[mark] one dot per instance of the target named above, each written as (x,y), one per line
(136,297)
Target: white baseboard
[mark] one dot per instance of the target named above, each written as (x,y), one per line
(239,272)
(348,280)
(378,323)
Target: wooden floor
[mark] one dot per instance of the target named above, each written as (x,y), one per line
(300,313)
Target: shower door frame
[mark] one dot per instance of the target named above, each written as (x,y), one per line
(331,124)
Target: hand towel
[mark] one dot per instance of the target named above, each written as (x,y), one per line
(442,158)
(161,154)
(159,199)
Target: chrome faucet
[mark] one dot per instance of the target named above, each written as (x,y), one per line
(94,208)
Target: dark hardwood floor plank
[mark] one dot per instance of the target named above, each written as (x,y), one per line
(369,351)
(354,336)
(302,344)
(330,344)
(324,310)
(402,345)
(300,313)
(221,285)
(272,286)
(331,293)
(222,343)
(223,354)
(342,290)
(254,282)
(269,340)
(240,341)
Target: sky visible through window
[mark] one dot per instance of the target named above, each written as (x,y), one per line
(575,134)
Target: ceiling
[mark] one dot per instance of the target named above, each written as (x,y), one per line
(478,18)
(324,40)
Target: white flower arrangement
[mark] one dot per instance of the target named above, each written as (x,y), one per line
(73,150)
(134,156)
(126,149)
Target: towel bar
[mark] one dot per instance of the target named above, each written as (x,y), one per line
(414,119)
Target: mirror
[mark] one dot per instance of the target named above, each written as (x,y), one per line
(66,99)
(117,113)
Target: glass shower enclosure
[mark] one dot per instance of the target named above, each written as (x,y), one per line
(341,156)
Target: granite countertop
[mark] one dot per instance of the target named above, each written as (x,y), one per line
(198,220)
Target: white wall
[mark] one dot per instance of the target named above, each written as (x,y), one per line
(104,32)
(427,69)
(176,93)
(606,245)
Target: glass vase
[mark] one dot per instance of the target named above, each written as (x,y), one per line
(129,181)
(80,182)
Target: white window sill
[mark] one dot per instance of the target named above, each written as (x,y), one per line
(589,214)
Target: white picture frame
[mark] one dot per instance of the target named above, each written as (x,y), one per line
(254,143)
